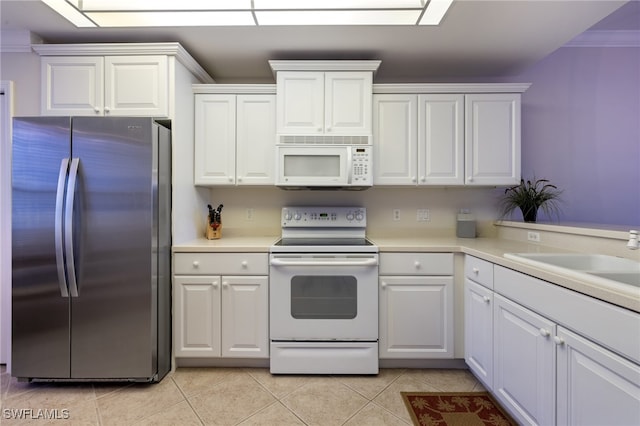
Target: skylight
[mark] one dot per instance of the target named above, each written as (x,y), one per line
(203,13)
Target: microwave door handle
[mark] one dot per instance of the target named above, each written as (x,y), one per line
(309,262)
(349,165)
(59,241)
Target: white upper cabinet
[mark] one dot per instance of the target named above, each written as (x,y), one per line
(336,103)
(115,79)
(395,138)
(255,139)
(492,136)
(446,138)
(234,139)
(72,86)
(136,85)
(440,139)
(215,140)
(109,85)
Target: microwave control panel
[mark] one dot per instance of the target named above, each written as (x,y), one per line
(361,165)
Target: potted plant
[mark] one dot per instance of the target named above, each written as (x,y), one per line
(530,196)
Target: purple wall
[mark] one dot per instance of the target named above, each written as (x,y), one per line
(581,130)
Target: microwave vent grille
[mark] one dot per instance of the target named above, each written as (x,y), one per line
(323,140)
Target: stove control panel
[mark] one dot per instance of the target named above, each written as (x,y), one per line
(328,217)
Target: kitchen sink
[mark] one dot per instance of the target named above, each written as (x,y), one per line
(631,278)
(609,271)
(579,262)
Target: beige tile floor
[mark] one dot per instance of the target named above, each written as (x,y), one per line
(230,396)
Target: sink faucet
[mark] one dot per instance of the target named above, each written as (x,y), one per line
(633,240)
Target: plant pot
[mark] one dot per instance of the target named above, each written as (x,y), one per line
(529,213)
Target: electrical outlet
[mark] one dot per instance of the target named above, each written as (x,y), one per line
(249,214)
(533,236)
(423,215)
(396,214)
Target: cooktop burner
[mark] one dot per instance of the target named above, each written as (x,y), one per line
(301,242)
(324,230)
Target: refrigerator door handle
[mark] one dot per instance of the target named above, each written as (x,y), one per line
(62,177)
(68,226)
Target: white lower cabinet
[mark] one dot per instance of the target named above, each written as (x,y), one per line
(220,315)
(524,362)
(542,372)
(416,306)
(478,338)
(595,386)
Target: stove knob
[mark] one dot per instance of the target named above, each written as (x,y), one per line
(359,216)
(287,215)
(297,216)
(350,216)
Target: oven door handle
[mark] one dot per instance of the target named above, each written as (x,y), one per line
(324,262)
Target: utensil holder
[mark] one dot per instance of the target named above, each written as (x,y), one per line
(213,234)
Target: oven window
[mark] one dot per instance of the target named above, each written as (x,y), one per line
(324,297)
(312,166)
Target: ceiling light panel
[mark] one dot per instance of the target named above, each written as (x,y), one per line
(157,5)
(435,12)
(69,12)
(338,17)
(337,4)
(172,19)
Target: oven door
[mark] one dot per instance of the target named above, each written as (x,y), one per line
(324,297)
(313,166)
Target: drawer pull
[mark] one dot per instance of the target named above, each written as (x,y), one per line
(196,264)
(416,264)
(244,264)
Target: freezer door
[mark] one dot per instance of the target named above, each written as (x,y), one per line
(113,319)
(40,312)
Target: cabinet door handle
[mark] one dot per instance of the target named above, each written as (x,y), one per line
(413,179)
(486,299)
(476,271)
(558,340)
(230,178)
(383,285)
(107,110)
(544,332)
(422,178)
(239,178)
(97,110)
(214,284)
(470,179)
(225,284)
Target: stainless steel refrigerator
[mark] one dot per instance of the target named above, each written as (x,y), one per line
(91,243)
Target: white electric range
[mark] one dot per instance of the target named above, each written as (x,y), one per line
(324,293)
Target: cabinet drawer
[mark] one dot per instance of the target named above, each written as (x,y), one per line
(479,271)
(416,264)
(221,263)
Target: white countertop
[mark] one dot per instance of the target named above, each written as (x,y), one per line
(490,249)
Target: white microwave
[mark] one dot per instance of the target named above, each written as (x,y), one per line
(324,166)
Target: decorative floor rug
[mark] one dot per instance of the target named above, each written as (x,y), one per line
(455,409)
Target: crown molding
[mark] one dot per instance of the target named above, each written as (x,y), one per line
(124,49)
(601,38)
(17,41)
(234,89)
(413,88)
(328,65)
